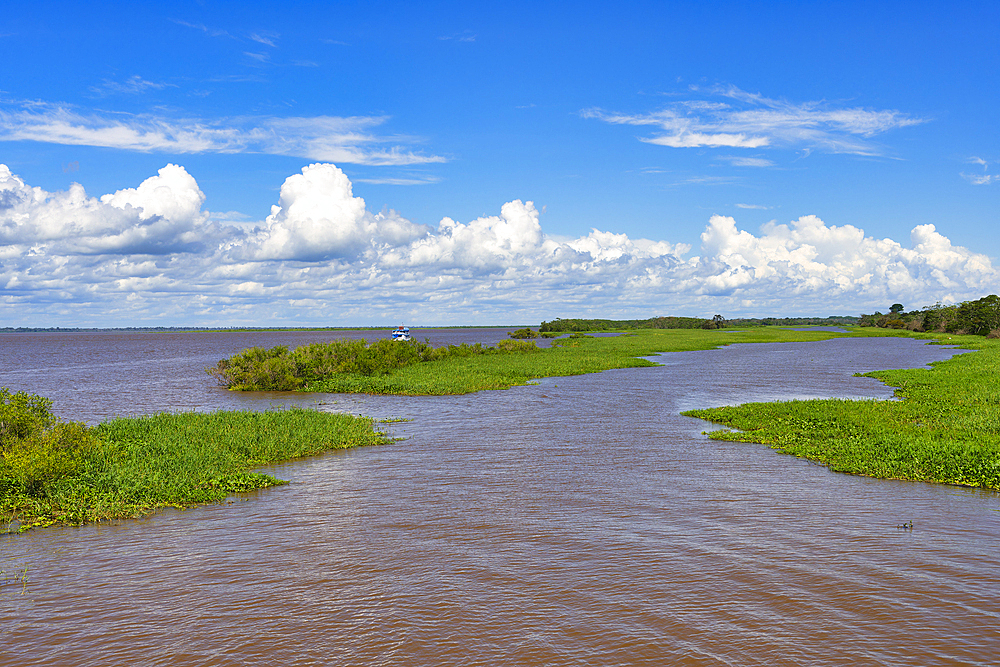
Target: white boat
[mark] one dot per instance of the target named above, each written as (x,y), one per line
(402,333)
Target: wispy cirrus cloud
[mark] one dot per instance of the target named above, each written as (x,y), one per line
(211,32)
(327,138)
(134,85)
(464,36)
(737,161)
(732,118)
(983,178)
(415,180)
(708,180)
(265,38)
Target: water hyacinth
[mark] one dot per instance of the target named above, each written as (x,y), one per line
(945,429)
(128,467)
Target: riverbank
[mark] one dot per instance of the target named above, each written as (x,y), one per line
(944,428)
(129,467)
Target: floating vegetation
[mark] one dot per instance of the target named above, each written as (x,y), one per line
(518,346)
(131,466)
(570,340)
(945,428)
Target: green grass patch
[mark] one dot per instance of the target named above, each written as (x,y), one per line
(130,467)
(945,428)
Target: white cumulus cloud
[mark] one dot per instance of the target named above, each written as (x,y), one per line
(318,217)
(154,254)
(161,216)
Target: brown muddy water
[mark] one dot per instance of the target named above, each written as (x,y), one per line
(580,521)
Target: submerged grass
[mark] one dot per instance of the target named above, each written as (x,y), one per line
(945,428)
(136,465)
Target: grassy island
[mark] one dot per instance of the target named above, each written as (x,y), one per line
(65,472)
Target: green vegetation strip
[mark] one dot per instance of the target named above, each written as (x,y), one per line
(64,472)
(389,367)
(946,428)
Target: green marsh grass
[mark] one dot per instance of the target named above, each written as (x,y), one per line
(944,428)
(138,464)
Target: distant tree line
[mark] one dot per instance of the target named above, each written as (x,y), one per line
(574,324)
(980,317)
(829,321)
(717,322)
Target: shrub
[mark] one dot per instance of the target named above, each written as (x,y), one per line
(277,369)
(22,414)
(522,334)
(36,449)
(257,369)
(314,366)
(386,355)
(320,359)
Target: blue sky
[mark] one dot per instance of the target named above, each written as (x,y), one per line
(471,163)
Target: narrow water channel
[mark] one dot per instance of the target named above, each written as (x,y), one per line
(580,521)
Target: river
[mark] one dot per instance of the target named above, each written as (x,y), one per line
(580,521)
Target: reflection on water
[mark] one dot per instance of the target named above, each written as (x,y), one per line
(581,521)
